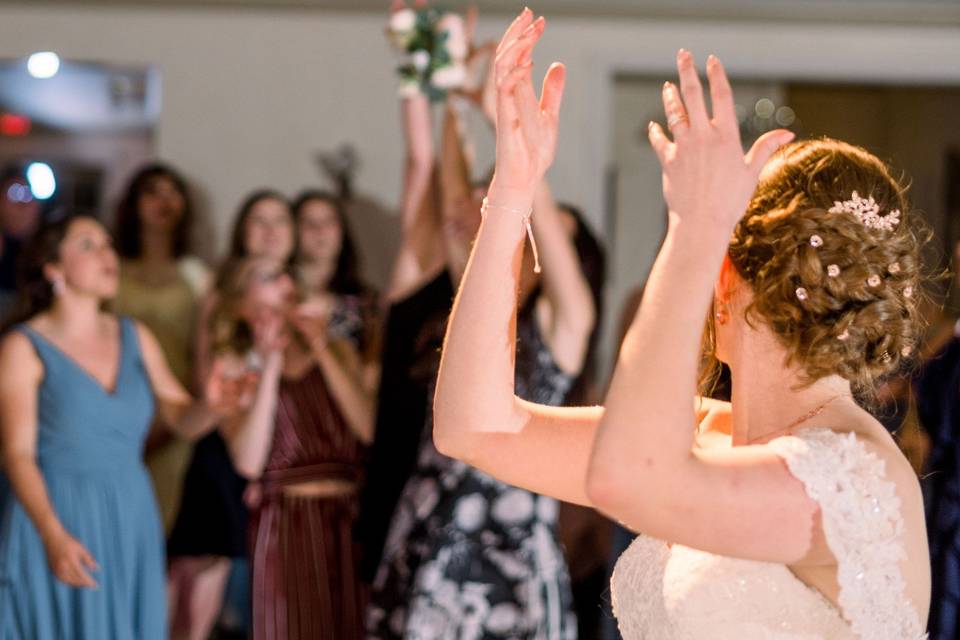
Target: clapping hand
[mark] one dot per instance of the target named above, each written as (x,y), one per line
(707,179)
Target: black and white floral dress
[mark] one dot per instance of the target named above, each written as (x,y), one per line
(471,558)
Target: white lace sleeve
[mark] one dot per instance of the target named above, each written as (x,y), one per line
(862,525)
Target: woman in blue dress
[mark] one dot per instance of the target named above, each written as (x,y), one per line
(81,544)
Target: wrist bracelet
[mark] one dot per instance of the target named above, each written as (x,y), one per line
(525,216)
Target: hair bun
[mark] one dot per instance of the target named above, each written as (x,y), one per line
(833,263)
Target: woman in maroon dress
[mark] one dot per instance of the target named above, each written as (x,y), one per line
(303,439)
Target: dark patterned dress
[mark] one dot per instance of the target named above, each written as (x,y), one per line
(468,557)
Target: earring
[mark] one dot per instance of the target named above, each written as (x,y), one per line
(58,286)
(721,314)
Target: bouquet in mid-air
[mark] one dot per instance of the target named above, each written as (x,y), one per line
(433,46)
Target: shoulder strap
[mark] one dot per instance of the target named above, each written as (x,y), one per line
(862,525)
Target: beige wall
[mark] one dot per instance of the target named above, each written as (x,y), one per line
(249,96)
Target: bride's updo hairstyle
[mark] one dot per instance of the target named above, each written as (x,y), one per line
(831,251)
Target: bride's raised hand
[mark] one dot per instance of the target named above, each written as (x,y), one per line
(526,126)
(707,179)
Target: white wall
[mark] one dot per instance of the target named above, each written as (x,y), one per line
(251,95)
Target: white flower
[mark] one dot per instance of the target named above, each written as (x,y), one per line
(548,509)
(420,60)
(515,506)
(470,512)
(456,43)
(503,618)
(449,77)
(403,20)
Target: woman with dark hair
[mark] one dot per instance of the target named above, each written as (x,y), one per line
(326,255)
(303,442)
(161,286)
(81,546)
(209,541)
(327,271)
(263,227)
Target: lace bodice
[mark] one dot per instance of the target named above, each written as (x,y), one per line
(676,593)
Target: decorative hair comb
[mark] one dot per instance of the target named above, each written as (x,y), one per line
(867,211)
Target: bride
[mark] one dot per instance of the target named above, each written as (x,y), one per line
(787,513)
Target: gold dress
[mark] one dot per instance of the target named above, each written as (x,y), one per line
(169,310)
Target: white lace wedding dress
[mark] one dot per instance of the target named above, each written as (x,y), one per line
(663,592)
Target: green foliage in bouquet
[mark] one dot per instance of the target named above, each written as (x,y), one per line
(425,49)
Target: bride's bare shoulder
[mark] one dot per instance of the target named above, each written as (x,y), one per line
(714,424)
(711,411)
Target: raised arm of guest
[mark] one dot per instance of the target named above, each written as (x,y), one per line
(418,259)
(571,313)
(458,212)
(249,434)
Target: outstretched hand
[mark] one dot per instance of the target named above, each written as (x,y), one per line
(706,176)
(526,126)
(230,386)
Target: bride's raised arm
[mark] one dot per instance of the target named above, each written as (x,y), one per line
(477,417)
(645,470)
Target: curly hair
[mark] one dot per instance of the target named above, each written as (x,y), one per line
(842,297)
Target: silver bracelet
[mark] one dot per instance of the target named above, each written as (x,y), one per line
(525,216)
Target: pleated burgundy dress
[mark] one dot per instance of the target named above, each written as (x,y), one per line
(305,582)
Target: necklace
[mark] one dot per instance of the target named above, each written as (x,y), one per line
(813,413)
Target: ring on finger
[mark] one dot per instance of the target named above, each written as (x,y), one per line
(676,119)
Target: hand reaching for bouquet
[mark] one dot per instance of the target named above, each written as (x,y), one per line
(707,179)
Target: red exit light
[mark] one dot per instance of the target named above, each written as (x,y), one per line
(12,124)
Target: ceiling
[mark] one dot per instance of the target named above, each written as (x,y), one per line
(941,12)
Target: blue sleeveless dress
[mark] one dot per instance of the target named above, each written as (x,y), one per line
(90,452)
